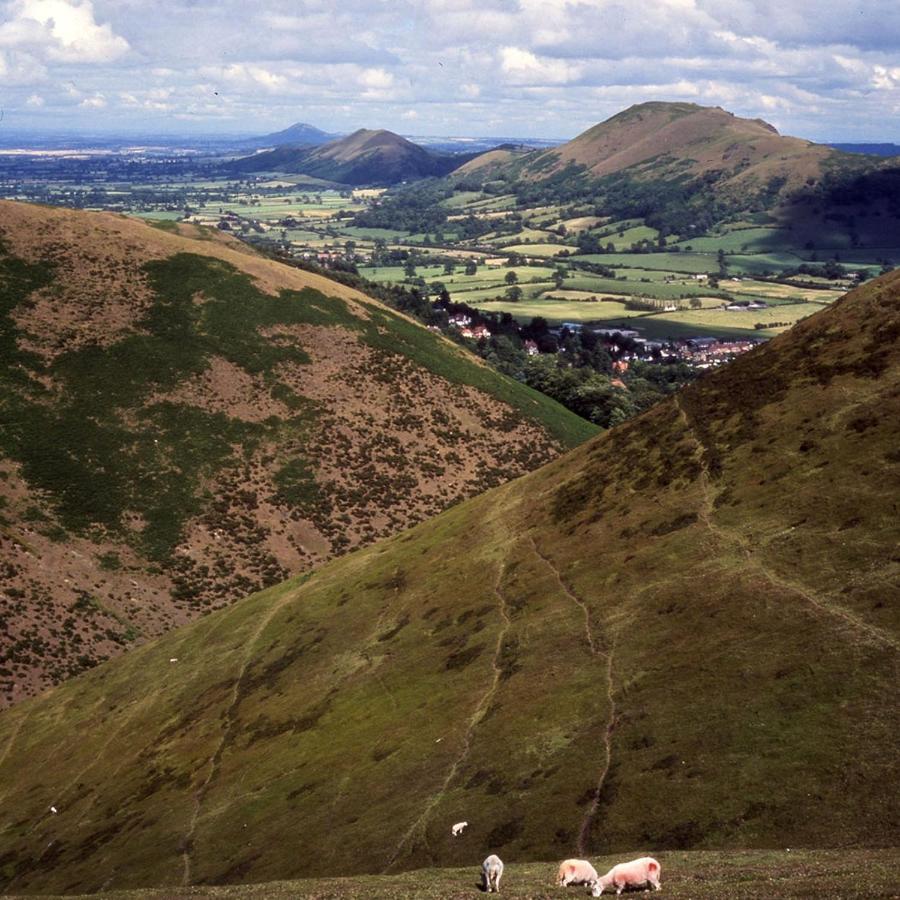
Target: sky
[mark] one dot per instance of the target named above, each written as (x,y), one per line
(826,71)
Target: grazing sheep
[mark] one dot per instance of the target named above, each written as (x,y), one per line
(458,828)
(576,871)
(492,872)
(636,873)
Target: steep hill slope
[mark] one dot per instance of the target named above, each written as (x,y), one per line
(683,634)
(185,422)
(364,157)
(683,138)
(685,168)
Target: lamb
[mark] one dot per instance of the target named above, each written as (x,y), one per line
(636,873)
(492,872)
(576,871)
(458,828)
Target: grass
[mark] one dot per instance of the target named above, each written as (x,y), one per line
(719,321)
(540,250)
(562,310)
(741,875)
(528,661)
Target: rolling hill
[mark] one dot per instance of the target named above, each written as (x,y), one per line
(682,635)
(364,157)
(298,134)
(685,168)
(185,422)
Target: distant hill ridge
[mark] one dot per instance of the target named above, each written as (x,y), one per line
(376,157)
(186,421)
(682,635)
(300,133)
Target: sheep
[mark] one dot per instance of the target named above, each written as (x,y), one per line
(458,828)
(492,872)
(636,873)
(576,871)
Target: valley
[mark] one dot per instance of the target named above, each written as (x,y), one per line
(666,608)
(352,487)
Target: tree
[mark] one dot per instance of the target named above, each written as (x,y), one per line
(449,268)
(409,270)
(471,267)
(511,277)
(514,293)
(559,276)
(696,303)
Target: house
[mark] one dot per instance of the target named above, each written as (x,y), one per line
(620,366)
(459,320)
(624,332)
(572,326)
(531,348)
(476,332)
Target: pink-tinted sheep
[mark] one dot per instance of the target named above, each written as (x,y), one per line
(637,873)
(576,871)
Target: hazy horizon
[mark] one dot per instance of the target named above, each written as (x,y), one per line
(536,68)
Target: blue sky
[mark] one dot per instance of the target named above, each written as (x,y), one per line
(539,68)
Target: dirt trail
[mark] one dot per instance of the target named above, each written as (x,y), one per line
(216,758)
(484,704)
(602,650)
(822,605)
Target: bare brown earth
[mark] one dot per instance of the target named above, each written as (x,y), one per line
(390,444)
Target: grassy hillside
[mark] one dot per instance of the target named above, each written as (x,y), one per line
(186,422)
(682,635)
(697,875)
(684,169)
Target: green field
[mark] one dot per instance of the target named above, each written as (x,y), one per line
(692,263)
(561,310)
(536,249)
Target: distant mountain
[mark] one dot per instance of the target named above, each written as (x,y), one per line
(685,167)
(871,149)
(299,134)
(683,634)
(185,421)
(364,157)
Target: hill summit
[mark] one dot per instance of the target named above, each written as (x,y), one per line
(364,157)
(683,634)
(685,168)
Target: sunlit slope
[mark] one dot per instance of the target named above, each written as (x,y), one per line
(681,635)
(185,422)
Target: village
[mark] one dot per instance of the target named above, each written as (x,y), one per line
(623,344)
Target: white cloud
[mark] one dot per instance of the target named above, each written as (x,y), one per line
(524,67)
(98,101)
(61,30)
(511,67)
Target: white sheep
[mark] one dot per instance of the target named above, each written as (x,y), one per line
(576,871)
(492,872)
(637,873)
(458,828)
